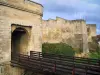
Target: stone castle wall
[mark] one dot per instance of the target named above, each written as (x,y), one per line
(91,28)
(72,32)
(28,15)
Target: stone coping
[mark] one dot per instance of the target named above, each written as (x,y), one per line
(19,8)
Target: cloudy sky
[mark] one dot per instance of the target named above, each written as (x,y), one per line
(88,10)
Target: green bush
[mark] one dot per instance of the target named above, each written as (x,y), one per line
(94,55)
(58,48)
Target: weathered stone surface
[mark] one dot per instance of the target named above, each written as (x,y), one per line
(15,14)
(72,32)
(24,5)
(91,29)
(27,15)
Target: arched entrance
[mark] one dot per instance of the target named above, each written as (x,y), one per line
(19,41)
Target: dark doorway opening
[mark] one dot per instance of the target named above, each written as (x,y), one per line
(19,41)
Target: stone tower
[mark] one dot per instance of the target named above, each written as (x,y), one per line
(20,31)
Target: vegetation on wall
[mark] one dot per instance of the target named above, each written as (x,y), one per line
(95,52)
(94,55)
(58,48)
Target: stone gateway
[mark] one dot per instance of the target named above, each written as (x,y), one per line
(22,30)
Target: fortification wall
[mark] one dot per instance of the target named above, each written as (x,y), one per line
(91,29)
(28,15)
(72,32)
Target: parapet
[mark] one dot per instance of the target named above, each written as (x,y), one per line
(91,25)
(59,18)
(24,5)
(34,2)
(62,20)
(78,20)
(65,20)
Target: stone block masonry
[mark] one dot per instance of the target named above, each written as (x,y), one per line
(23,30)
(19,20)
(72,32)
